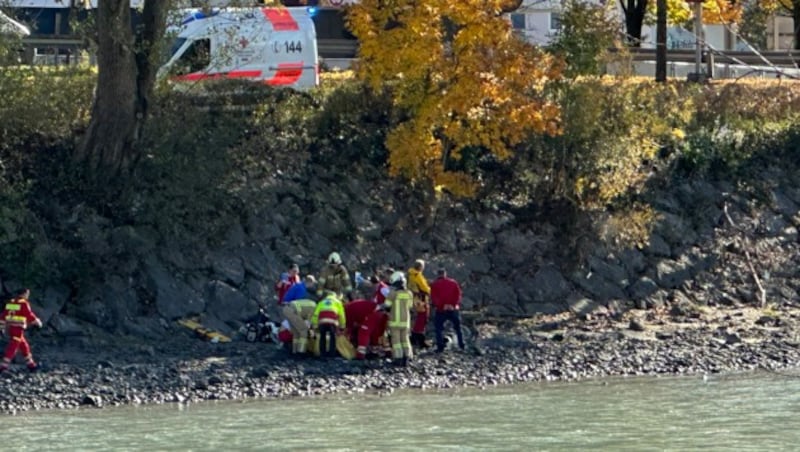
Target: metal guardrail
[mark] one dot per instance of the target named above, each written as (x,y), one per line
(782,58)
(347,49)
(326,48)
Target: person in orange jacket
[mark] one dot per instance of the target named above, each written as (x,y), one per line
(15,318)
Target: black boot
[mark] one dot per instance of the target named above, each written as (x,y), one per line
(404,361)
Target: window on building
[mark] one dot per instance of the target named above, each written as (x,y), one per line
(518,21)
(555,21)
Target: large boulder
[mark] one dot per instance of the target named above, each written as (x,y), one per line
(174,297)
(642,288)
(657,246)
(498,297)
(108,306)
(633,261)
(228,267)
(228,304)
(672,274)
(515,246)
(596,285)
(549,285)
(258,261)
(50,302)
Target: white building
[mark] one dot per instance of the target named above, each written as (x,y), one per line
(540,20)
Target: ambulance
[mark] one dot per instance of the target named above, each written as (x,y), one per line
(10,27)
(276,46)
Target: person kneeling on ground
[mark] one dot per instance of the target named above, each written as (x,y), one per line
(14,319)
(446,298)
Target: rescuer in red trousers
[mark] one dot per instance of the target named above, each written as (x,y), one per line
(356,311)
(15,318)
(365,325)
(372,329)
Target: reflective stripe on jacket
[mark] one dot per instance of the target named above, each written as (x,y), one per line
(329,311)
(18,313)
(400,301)
(334,278)
(304,307)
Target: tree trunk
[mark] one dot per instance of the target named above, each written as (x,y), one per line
(796,18)
(149,34)
(635,11)
(661,40)
(107,148)
(126,75)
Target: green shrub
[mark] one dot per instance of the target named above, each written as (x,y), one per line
(351,125)
(587,32)
(43,104)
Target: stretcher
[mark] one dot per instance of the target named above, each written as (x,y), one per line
(345,347)
(203,332)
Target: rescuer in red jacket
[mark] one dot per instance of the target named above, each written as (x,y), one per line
(446,299)
(15,318)
(365,325)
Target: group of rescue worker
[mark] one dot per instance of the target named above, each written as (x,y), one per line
(318,312)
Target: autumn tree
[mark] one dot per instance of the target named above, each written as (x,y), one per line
(464,80)
(714,11)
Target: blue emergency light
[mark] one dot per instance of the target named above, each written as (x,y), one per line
(312,10)
(197,15)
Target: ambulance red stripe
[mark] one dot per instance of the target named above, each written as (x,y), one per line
(287,74)
(232,74)
(281,19)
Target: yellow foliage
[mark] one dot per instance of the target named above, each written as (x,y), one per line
(714,11)
(461,75)
(722,12)
(631,227)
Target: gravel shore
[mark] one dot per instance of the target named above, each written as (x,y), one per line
(102,371)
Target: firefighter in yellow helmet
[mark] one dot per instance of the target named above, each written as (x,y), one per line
(399,302)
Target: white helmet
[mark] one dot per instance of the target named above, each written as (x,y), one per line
(397,277)
(334,258)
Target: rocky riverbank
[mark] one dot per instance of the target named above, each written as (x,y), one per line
(709,283)
(110,371)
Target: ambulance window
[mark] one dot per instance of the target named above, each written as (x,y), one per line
(197,57)
(176,45)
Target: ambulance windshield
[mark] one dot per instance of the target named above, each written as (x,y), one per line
(176,45)
(196,57)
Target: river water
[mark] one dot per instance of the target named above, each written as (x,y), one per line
(755,412)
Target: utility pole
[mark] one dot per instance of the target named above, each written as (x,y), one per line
(698,75)
(661,40)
